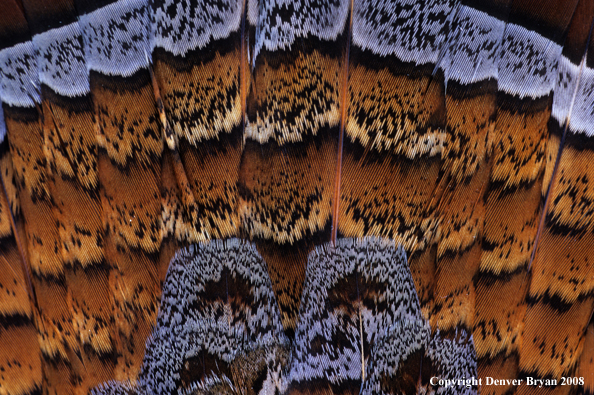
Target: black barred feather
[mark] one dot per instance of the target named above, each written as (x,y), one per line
(359,197)
(361,329)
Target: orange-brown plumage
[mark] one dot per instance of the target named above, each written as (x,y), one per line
(475,158)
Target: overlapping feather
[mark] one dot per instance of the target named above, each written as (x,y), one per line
(459,130)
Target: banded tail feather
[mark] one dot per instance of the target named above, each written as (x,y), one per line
(382,193)
(361,327)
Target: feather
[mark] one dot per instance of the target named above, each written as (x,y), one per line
(21,364)
(24,120)
(19,335)
(129,148)
(560,280)
(70,153)
(456,131)
(200,83)
(291,136)
(219,313)
(361,329)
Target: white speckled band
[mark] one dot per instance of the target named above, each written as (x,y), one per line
(19,77)
(116,38)
(61,60)
(178,28)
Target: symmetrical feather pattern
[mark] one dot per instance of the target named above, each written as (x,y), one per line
(218,307)
(392,191)
(361,329)
(219,328)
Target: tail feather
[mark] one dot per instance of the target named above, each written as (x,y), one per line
(395,129)
(24,119)
(70,150)
(129,148)
(288,169)
(513,200)
(470,68)
(560,271)
(585,368)
(458,129)
(199,79)
(20,354)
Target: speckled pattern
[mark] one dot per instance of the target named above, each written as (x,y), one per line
(458,130)
(360,321)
